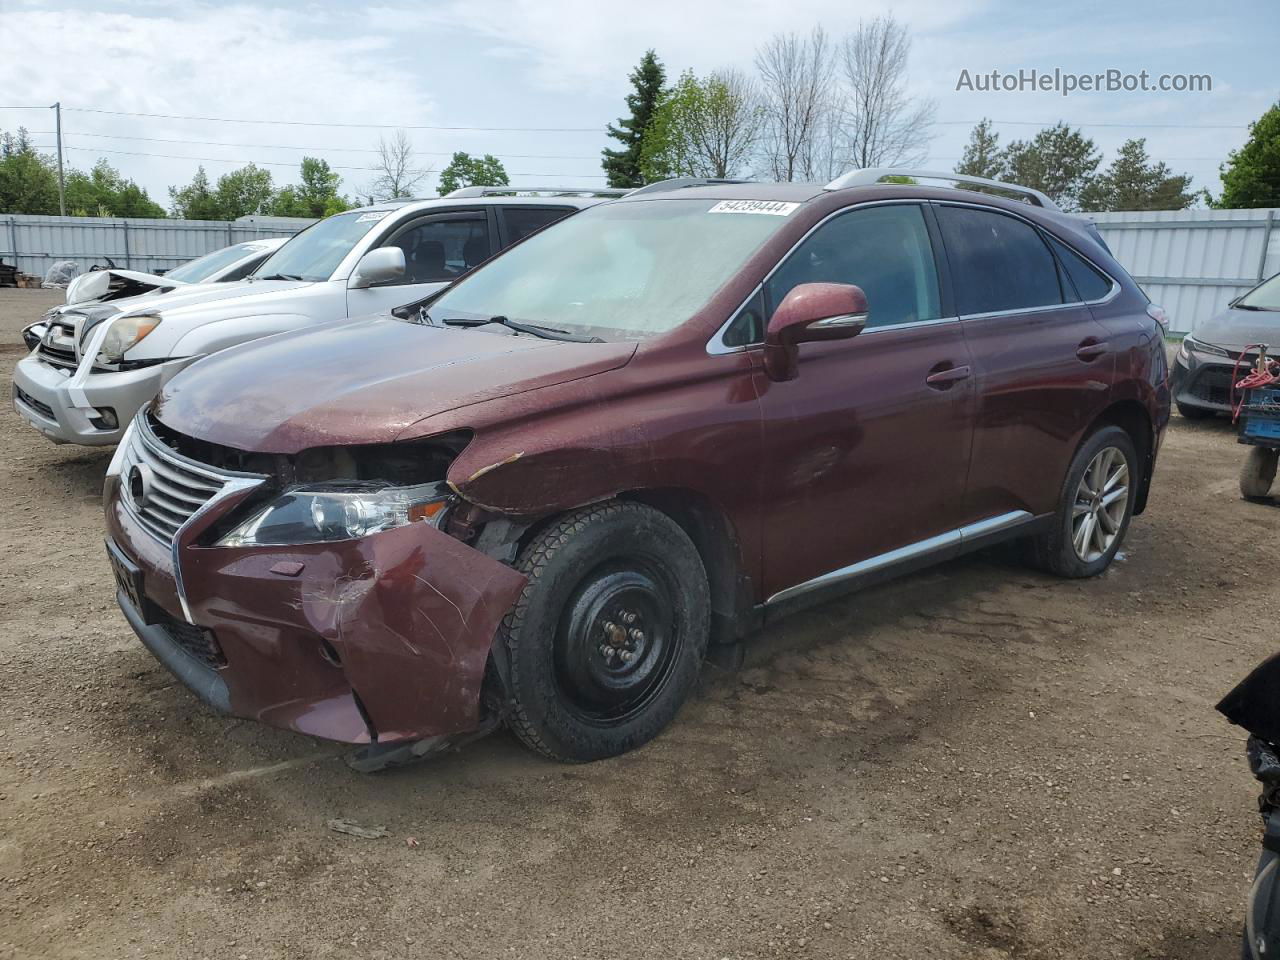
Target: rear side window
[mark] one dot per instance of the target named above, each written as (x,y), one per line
(998,262)
(519,222)
(1084,277)
(884,250)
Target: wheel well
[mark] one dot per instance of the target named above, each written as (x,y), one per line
(1132,417)
(714,537)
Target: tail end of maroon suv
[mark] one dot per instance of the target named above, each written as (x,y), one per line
(539,496)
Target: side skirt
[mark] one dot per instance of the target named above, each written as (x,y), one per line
(904,560)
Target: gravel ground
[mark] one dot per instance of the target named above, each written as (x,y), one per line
(977,761)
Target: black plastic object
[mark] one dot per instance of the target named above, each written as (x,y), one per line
(1254,703)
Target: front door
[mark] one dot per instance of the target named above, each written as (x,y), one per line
(866,450)
(438,248)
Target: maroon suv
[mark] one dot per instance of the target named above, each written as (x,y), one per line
(540,495)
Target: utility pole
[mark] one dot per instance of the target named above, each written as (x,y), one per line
(62,185)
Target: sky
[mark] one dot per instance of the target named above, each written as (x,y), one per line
(535,81)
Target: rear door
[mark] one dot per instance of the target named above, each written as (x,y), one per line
(866,450)
(438,248)
(1043,366)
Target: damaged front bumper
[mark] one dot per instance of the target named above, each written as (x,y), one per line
(383,639)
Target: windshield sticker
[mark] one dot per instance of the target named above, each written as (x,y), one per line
(374,217)
(776,208)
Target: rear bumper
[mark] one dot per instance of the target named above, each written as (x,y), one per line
(382,639)
(43,395)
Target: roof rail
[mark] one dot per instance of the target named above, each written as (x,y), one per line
(679,183)
(871,175)
(463,192)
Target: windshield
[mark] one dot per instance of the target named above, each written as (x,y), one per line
(619,271)
(316,252)
(1265,296)
(202,268)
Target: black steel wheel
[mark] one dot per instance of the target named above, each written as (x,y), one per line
(608,635)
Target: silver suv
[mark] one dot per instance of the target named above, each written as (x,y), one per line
(86,378)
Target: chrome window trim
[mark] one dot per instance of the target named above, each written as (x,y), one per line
(911,551)
(716,345)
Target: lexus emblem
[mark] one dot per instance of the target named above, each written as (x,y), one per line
(139,483)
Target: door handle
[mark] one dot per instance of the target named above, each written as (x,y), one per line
(1092,349)
(944,379)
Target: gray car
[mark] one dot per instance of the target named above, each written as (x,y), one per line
(1202,374)
(98,365)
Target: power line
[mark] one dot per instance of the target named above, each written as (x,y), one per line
(284,163)
(405,126)
(291,146)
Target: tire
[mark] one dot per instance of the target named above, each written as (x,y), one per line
(611,581)
(1056,550)
(1188,412)
(1258,472)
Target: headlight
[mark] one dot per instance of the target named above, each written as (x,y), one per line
(124,333)
(1192,345)
(322,513)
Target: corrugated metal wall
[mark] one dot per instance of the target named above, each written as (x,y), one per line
(1192,262)
(34,243)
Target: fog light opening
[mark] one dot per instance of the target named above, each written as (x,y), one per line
(106,419)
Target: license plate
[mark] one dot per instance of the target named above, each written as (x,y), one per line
(128,578)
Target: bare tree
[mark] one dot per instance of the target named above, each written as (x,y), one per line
(396,174)
(795,87)
(883,127)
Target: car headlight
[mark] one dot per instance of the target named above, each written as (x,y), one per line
(321,513)
(126,332)
(1192,345)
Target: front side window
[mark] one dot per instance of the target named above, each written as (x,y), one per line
(997,262)
(443,248)
(884,250)
(316,252)
(618,271)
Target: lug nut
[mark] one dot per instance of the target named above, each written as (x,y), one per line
(628,617)
(637,635)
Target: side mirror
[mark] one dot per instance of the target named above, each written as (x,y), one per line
(811,311)
(378,266)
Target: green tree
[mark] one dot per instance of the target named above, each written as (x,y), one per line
(982,154)
(1058,161)
(622,166)
(465,170)
(244,192)
(702,128)
(315,195)
(1251,175)
(1133,182)
(104,192)
(28,178)
(196,201)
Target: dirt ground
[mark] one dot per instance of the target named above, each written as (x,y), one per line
(977,761)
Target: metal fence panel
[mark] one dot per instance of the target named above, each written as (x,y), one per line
(34,243)
(1193,262)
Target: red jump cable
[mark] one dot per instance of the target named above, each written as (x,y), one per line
(1266,373)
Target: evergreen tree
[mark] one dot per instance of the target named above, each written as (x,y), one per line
(1133,182)
(196,201)
(1251,175)
(622,166)
(982,154)
(465,170)
(28,178)
(1058,161)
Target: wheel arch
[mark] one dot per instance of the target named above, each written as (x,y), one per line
(1132,417)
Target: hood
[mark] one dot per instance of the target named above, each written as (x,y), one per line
(113,284)
(191,297)
(1235,329)
(362,381)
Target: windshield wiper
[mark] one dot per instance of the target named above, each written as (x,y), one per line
(1250,306)
(533,329)
(282,276)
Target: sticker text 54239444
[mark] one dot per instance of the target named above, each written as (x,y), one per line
(776,208)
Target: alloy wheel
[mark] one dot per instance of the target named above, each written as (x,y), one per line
(1102,499)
